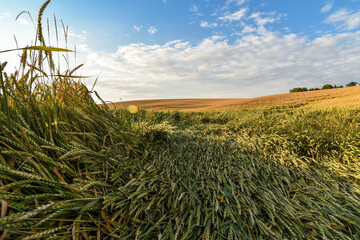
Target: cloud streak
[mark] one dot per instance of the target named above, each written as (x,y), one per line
(345,19)
(327,7)
(4,15)
(236,16)
(23,21)
(194,8)
(269,18)
(205,24)
(237,2)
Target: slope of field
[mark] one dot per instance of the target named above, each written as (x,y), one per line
(339,97)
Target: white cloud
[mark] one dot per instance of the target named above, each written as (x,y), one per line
(205,24)
(81,37)
(152,30)
(194,8)
(254,65)
(236,16)
(78,37)
(4,15)
(237,2)
(164,1)
(137,28)
(229,2)
(70,33)
(327,7)
(270,17)
(345,19)
(23,21)
(248,29)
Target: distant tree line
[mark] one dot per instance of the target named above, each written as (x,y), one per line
(326,86)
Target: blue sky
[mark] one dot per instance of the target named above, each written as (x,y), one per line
(146,49)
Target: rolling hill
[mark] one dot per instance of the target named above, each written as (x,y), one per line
(340,97)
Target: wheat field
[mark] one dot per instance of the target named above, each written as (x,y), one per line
(348,97)
(73,169)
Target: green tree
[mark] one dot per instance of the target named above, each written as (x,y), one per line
(351,84)
(298,89)
(327,86)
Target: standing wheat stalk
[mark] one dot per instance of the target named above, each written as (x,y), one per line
(41,36)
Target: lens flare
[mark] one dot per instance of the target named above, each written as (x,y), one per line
(133,109)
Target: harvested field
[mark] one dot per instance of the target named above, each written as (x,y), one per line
(322,99)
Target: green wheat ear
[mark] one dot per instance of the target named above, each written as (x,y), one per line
(40,33)
(2,65)
(39,26)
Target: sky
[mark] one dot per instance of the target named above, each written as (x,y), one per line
(158,49)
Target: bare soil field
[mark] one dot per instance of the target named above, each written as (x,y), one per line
(340,97)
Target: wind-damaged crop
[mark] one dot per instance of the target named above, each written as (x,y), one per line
(70,168)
